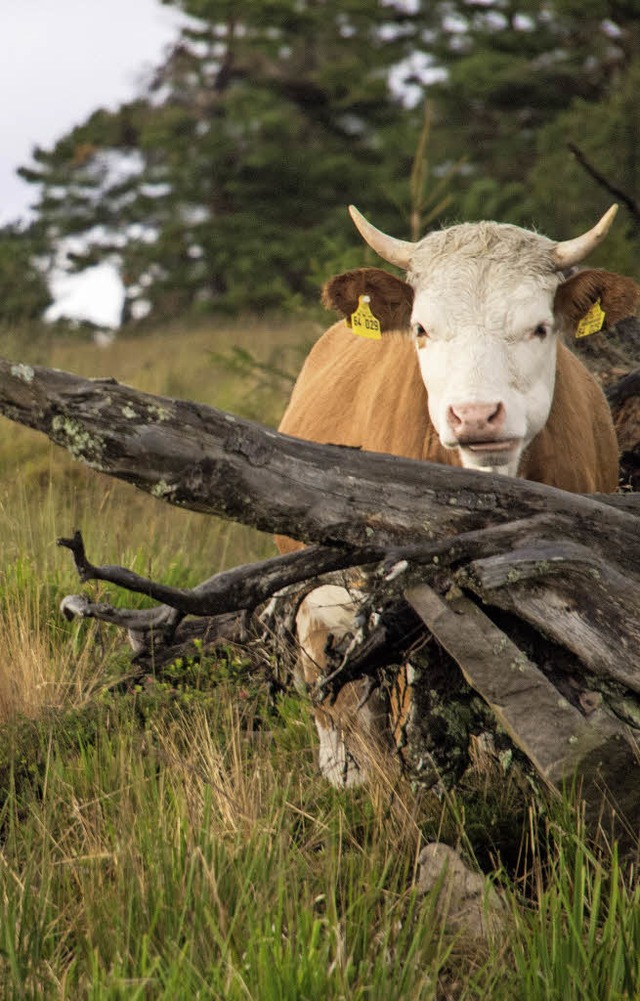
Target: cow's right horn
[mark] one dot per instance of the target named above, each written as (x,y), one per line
(571,252)
(398,252)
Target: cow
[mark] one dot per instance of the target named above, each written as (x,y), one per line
(469,369)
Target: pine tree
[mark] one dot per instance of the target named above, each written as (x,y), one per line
(24,295)
(597,139)
(519,72)
(225,186)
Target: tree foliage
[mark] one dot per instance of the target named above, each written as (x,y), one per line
(23,287)
(523,79)
(224,185)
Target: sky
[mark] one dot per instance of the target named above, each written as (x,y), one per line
(62,59)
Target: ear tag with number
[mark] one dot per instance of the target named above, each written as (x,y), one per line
(592,321)
(363,322)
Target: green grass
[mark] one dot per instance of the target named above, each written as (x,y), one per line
(44,494)
(582,940)
(195,852)
(144,869)
(169,837)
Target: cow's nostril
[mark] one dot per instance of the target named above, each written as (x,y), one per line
(453,418)
(497,414)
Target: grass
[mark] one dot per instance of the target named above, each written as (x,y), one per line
(170,837)
(45,494)
(146,869)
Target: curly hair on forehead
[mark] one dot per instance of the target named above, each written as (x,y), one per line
(486,244)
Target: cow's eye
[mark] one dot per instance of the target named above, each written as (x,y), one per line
(419,330)
(541,331)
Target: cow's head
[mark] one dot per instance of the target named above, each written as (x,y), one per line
(488,303)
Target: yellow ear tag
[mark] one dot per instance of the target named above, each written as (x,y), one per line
(363,322)
(592,321)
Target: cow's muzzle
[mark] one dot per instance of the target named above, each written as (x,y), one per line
(480,423)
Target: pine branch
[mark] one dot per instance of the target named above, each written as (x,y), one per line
(604,182)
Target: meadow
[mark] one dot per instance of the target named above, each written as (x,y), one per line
(168,837)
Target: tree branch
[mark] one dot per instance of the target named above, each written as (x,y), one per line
(242,588)
(623,196)
(246,587)
(205,460)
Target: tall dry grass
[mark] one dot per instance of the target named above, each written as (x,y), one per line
(44,494)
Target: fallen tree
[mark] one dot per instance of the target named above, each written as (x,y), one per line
(533,594)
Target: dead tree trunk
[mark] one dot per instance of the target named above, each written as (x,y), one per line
(533,592)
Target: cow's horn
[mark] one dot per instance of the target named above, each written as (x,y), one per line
(571,252)
(398,252)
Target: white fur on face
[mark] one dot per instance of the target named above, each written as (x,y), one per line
(481,348)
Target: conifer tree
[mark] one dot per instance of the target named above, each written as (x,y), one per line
(225,186)
(24,295)
(514,68)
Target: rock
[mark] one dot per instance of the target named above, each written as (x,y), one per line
(468,905)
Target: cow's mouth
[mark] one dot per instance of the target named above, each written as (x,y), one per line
(502,445)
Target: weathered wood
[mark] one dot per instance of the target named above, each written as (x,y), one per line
(573,597)
(203,459)
(247,586)
(244,587)
(567,565)
(557,738)
(626,388)
(624,399)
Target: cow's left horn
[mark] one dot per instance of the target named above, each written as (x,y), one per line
(398,252)
(571,252)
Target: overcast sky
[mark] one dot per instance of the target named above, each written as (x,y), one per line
(60,60)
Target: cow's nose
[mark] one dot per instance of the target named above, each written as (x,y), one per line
(476,421)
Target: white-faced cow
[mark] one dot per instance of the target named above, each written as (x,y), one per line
(471,370)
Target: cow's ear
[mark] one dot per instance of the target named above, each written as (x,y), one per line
(390,299)
(618,297)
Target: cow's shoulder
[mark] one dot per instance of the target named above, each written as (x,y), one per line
(577,450)
(362,393)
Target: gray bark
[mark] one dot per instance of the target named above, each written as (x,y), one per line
(205,460)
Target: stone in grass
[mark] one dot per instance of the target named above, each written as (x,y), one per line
(467,904)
